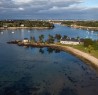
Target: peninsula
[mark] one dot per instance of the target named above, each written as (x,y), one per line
(50,42)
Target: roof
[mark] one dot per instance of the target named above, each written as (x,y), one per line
(70,39)
(25,38)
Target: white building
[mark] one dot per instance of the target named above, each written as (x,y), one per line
(71,41)
(25,40)
(22,25)
(5,26)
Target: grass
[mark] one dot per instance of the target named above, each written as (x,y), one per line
(85,49)
(82,48)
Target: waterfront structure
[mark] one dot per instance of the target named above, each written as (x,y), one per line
(70,41)
(5,26)
(26,40)
(22,25)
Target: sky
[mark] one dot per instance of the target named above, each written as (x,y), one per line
(49,9)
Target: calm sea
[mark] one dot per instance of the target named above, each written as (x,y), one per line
(44,71)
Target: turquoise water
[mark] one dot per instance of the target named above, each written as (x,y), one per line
(43,71)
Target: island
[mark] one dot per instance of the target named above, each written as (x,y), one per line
(25,24)
(85,49)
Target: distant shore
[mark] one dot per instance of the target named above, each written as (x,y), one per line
(14,28)
(86,28)
(91,60)
(82,27)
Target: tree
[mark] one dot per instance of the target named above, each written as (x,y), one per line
(90,48)
(32,39)
(88,42)
(65,37)
(41,37)
(78,38)
(58,37)
(50,39)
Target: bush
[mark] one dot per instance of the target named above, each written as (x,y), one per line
(88,42)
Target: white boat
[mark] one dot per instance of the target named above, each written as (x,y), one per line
(87,29)
(28,30)
(92,31)
(13,32)
(1,32)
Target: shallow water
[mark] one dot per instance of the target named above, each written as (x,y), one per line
(43,71)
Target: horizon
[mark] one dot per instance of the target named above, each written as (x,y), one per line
(49,9)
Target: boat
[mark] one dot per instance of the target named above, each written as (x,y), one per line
(28,30)
(92,32)
(1,32)
(13,32)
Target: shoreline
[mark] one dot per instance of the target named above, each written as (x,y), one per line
(15,28)
(85,57)
(82,27)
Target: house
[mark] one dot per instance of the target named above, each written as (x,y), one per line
(22,25)
(70,41)
(5,26)
(26,40)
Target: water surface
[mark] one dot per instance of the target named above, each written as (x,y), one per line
(43,71)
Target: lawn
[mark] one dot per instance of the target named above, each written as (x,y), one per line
(85,49)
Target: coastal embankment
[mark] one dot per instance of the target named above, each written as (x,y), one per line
(89,59)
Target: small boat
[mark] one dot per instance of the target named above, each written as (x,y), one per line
(1,32)
(28,31)
(92,31)
(87,29)
(13,32)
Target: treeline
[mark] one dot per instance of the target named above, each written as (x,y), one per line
(50,39)
(91,43)
(81,23)
(25,23)
(87,43)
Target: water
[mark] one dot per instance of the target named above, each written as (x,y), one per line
(43,71)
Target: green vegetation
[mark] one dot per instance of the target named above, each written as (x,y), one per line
(81,23)
(50,39)
(91,47)
(32,40)
(88,42)
(87,45)
(41,37)
(25,23)
(58,37)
